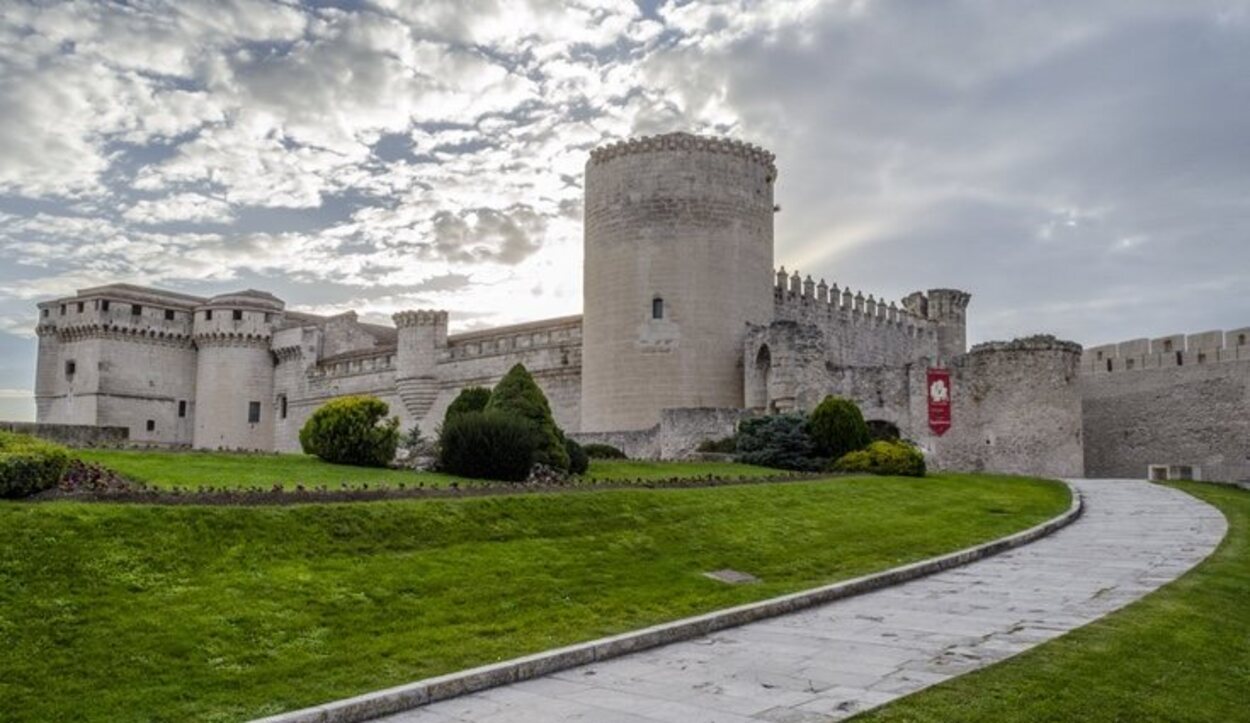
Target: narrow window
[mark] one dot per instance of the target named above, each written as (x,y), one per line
(1241,340)
(151,425)
(44,313)
(268,317)
(253,412)
(169,315)
(182,408)
(208,315)
(136,310)
(657,308)
(1129,363)
(238,315)
(1099,356)
(104,305)
(1202,358)
(1108,365)
(81,307)
(70,368)
(62,309)
(1167,346)
(282,406)
(1180,358)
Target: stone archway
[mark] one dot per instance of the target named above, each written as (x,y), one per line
(759,373)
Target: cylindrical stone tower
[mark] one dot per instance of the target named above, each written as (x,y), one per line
(678,260)
(234,404)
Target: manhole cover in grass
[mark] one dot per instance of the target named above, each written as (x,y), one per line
(732,577)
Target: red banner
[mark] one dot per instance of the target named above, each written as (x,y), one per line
(939,400)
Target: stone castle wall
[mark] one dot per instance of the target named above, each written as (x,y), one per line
(1180,400)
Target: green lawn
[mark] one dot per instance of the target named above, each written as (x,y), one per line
(217,469)
(1179,654)
(137,612)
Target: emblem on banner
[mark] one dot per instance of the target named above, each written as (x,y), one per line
(939,382)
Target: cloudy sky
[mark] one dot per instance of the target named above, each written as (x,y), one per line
(1081,167)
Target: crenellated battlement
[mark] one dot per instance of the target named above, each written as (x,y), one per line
(1175,350)
(684,142)
(369,361)
(420,317)
(801,298)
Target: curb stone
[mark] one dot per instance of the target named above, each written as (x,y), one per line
(413,695)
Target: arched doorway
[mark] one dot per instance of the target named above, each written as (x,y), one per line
(758,373)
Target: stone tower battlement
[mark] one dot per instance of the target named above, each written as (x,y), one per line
(684,142)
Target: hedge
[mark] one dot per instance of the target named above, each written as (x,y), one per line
(29,465)
(837,427)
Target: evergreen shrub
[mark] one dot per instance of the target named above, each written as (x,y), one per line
(352,430)
(29,465)
(886,458)
(596,450)
(579,462)
(781,441)
(488,445)
(518,395)
(837,427)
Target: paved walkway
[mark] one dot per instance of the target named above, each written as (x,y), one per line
(831,662)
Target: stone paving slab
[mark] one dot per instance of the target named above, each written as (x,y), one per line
(833,661)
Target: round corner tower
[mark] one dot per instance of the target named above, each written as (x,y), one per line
(678,260)
(234,405)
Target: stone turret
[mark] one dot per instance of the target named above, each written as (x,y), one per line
(234,407)
(422,338)
(948,309)
(678,260)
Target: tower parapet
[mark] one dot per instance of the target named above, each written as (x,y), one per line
(421,341)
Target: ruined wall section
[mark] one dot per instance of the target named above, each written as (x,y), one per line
(1179,399)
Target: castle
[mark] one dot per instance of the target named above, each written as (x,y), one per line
(686,329)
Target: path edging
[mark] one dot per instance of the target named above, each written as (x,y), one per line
(429,690)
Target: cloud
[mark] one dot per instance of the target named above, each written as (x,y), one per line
(1066,162)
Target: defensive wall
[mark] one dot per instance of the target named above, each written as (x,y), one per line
(1174,400)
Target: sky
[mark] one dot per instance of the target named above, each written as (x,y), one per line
(1082,167)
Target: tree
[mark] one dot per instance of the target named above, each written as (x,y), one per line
(838,427)
(517,394)
(352,430)
(470,399)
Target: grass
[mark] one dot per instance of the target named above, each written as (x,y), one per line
(1181,653)
(221,469)
(150,613)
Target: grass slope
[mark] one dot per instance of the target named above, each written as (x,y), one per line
(135,612)
(1179,654)
(218,469)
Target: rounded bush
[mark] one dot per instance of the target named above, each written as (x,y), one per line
(488,445)
(579,462)
(886,458)
(596,450)
(518,395)
(470,399)
(352,430)
(837,427)
(29,465)
(781,441)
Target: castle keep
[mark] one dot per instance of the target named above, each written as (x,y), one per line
(687,328)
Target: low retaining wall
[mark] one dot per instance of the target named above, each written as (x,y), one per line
(72,435)
(430,690)
(677,436)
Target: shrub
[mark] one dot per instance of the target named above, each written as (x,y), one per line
(837,427)
(578,461)
(488,445)
(892,458)
(352,430)
(518,395)
(470,399)
(596,450)
(780,441)
(726,445)
(29,465)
